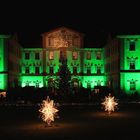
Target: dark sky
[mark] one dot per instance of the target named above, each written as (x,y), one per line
(95,20)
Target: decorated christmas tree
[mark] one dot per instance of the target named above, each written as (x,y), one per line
(65,77)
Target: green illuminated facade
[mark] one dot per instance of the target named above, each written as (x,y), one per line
(10,56)
(116,66)
(3,62)
(40,66)
(122,63)
(130,64)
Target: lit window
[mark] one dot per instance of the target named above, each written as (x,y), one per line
(51,55)
(89,85)
(97,90)
(74,55)
(37,83)
(27,70)
(98,82)
(27,56)
(88,55)
(132,46)
(51,70)
(37,56)
(98,55)
(132,65)
(75,84)
(27,83)
(132,61)
(132,85)
(88,70)
(98,70)
(37,70)
(75,70)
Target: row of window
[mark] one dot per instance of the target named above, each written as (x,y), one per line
(27,70)
(76,84)
(37,70)
(27,56)
(37,83)
(110,50)
(62,42)
(51,84)
(112,66)
(97,83)
(74,55)
(132,67)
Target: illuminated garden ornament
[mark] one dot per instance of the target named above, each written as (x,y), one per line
(48,111)
(109,104)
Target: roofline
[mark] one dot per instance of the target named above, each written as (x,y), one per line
(128,36)
(4,36)
(32,48)
(81,49)
(56,29)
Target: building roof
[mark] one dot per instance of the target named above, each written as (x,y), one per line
(63,27)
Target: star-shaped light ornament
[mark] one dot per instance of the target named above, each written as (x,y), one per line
(109,104)
(48,111)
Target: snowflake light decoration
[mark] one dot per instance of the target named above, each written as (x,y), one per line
(109,104)
(48,111)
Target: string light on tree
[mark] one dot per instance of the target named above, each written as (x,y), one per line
(48,111)
(109,104)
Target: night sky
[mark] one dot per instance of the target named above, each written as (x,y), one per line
(95,20)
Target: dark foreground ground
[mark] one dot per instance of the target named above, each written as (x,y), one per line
(75,122)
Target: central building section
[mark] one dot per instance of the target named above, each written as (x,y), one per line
(41,66)
(62,38)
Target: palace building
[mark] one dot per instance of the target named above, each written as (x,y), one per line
(115,65)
